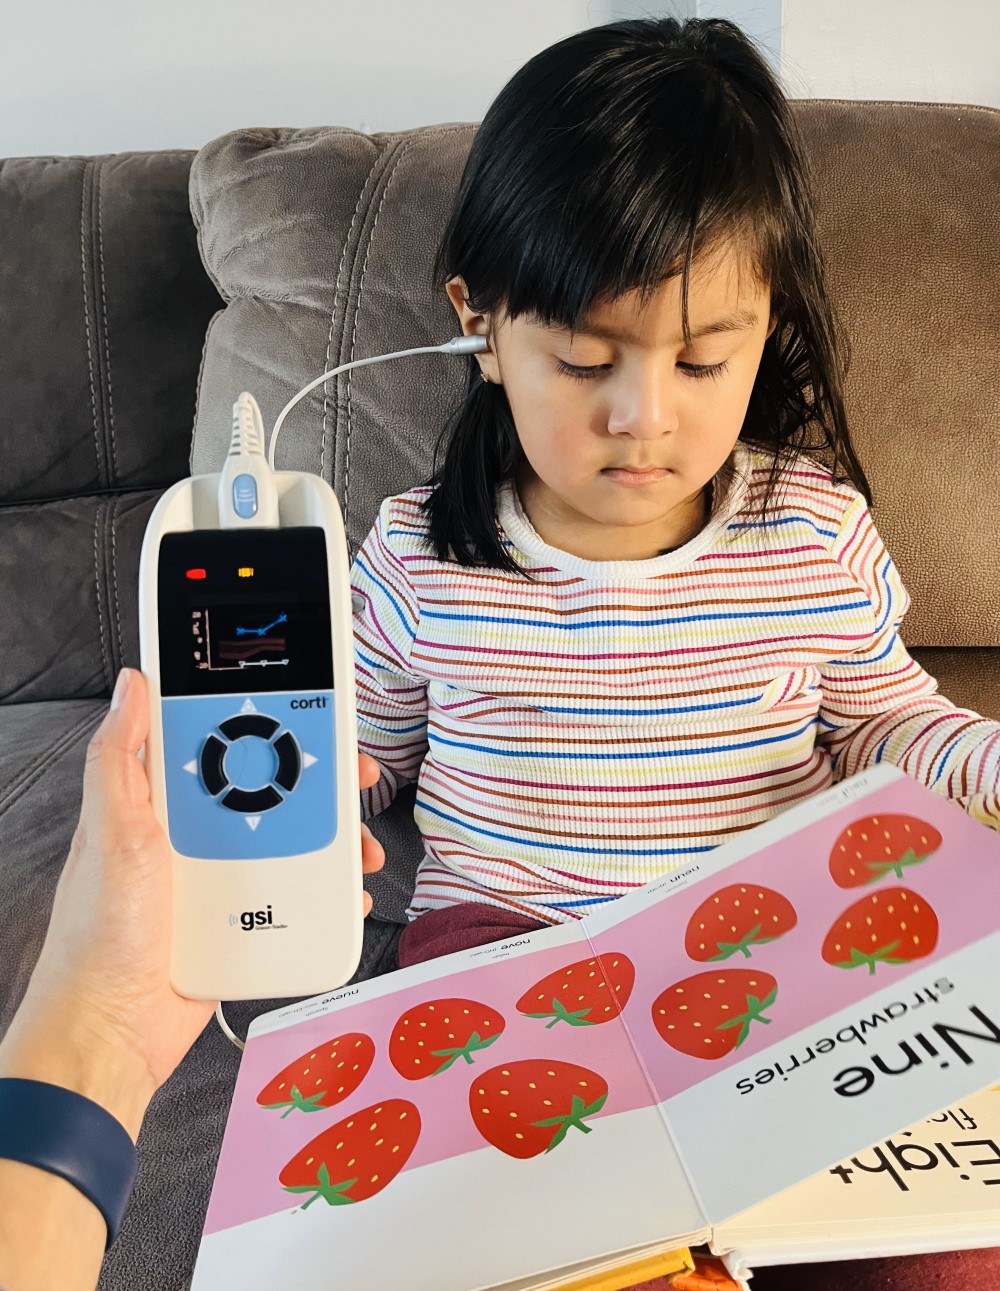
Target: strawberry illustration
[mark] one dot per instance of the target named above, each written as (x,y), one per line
(357,1157)
(892,926)
(327,1074)
(735,918)
(528,1107)
(428,1038)
(709,1015)
(868,849)
(584,994)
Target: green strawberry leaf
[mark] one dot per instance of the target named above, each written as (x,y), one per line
(881,868)
(472,1045)
(727,948)
(754,1013)
(332,1193)
(558,1013)
(883,955)
(578,1110)
(314,1103)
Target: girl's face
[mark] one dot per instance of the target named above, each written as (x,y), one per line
(627,395)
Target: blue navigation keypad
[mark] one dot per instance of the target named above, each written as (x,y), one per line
(250,776)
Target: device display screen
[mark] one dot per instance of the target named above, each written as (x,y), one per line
(244,610)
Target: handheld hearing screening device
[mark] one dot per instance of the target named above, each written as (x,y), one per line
(246,642)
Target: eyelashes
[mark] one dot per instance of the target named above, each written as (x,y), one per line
(696,371)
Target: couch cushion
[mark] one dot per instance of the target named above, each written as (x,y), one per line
(321,240)
(970,678)
(69,569)
(103,310)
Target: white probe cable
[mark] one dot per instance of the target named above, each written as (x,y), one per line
(226,1027)
(457,345)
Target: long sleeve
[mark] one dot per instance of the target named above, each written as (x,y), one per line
(880,705)
(391,696)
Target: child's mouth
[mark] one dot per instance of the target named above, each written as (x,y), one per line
(621,476)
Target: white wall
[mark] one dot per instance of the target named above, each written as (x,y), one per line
(83,79)
(892,49)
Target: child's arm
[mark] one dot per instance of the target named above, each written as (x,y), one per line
(879,705)
(391,695)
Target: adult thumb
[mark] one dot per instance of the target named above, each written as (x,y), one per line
(113,767)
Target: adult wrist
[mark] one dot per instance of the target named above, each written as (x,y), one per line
(61,1043)
(63,1133)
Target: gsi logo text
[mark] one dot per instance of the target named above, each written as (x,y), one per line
(251,919)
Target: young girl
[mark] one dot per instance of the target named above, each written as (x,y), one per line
(633,615)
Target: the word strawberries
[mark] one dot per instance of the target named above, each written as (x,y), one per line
(870,848)
(327,1074)
(893,926)
(528,1107)
(735,918)
(428,1038)
(357,1157)
(709,1015)
(583,994)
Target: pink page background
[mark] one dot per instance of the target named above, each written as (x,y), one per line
(961,881)
(258,1142)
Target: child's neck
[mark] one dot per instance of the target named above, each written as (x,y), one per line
(593,540)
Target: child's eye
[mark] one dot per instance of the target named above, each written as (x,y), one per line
(694,370)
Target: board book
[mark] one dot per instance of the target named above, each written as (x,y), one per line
(522,1113)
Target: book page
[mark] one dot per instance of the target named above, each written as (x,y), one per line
(430,1128)
(939,1176)
(788,992)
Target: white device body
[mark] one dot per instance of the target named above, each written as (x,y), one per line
(306,932)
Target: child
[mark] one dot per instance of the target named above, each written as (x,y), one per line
(630,617)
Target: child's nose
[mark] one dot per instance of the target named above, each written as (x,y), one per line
(647,407)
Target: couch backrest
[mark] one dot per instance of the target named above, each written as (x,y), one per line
(104,306)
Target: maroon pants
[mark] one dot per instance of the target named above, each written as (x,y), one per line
(439,932)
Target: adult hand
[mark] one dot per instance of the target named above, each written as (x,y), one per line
(100,1011)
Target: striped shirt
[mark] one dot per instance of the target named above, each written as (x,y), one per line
(576,737)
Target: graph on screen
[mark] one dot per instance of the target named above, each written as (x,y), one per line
(231,638)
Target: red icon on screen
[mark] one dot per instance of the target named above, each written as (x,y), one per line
(196,573)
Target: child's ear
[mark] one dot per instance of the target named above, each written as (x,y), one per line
(455,287)
(457,294)
(471,322)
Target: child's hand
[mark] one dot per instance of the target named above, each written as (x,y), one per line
(372,851)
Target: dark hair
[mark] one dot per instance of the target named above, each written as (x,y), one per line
(687,120)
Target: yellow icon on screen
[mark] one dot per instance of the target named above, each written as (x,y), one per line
(245,571)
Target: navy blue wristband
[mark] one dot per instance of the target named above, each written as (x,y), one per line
(60,1131)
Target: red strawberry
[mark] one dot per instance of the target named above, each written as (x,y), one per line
(428,1038)
(736,918)
(529,1107)
(893,926)
(869,848)
(327,1074)
(357,1157)
(584,994)
(709,1015)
